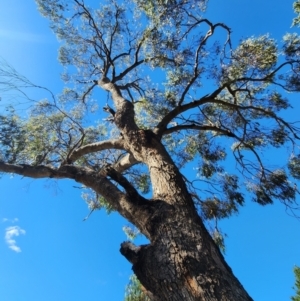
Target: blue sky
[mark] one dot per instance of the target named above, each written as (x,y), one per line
(48,253)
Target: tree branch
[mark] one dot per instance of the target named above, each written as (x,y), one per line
(88,91)
(95,147)
(125,163)
(197,72)
(162,125)
(128,205)
(121,180)
(99,34)
(124,117)
(41,171)
(136,209)
(198,127)
(263,111)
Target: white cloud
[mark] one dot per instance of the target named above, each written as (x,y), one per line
(14,220)
(22,36)
(10,232)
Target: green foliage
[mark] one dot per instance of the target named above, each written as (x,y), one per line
(219,239)
(296,6)
(294,166)
(164,56)
(254,56)
(273,185)
(165,13)
(143,183)
(95,201)
(131,232)
(297,284)
(291,44)
(134,291)
(12,137)
(291,50)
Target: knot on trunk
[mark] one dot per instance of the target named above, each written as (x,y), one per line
(130,251)
(124,117)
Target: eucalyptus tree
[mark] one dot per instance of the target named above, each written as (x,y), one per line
(177,94)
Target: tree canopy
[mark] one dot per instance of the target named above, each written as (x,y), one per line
(176,86)
(229,99)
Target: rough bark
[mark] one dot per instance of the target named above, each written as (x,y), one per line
(182,261)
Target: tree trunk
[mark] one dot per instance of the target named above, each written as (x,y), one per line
(182,262)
